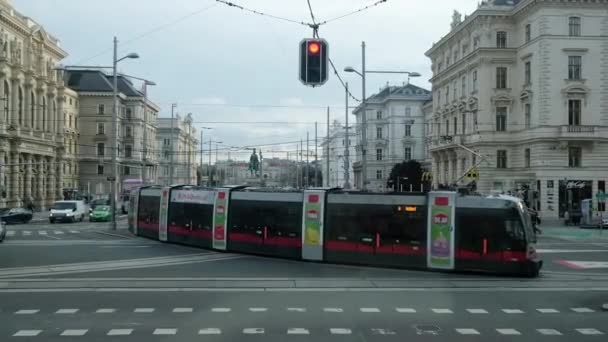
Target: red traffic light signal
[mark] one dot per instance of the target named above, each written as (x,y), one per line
(314,55)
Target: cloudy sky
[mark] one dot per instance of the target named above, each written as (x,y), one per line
(236,71)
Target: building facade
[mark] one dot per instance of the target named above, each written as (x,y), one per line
(395,128)
(337,155)
(136,131)
(520,89)
(33,147)
(183,144)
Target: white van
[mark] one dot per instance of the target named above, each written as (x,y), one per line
(68,211)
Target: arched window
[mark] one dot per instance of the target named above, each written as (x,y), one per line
(33,109)
(20,106)
(7,96)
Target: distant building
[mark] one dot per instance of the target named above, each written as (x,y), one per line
(337,155)
(395,132)
(183,145)
(523,84)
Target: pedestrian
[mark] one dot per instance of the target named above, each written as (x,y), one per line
(566,218)
(30,205)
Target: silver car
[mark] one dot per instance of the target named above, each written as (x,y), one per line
(2,231)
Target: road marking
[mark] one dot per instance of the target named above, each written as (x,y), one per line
(27,232)
(379,331)
(589,331)
(57,232)
(164,332)
(210,331)
(467,331)
(340,331)
(220,310)
(296,309)
(74,332)
(180,310)
(582,310)
(547,251)
(253,331)
(105,311)
(42,232)
(74,231)
(512,311)
(333,310)
(370,310)
(143,310)
(583,265)
(508,332)
(477,311)
(549,332)
(27,312)
(27,333)
(297,331)
(442,311)
(405,310)
(66,311)
(258,309)
(120,332)
(547,310)
(10,233)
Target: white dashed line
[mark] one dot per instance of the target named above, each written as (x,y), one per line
(467,331)
(477,311)
(120,332)
(297,331)
(74,231)
(508,332)
(58,232)
(220,310)
(333,310)
(552,332)
(210,331)
(406,310)
(340,331)
(164,332)
(582,310)
(370,310)
(379,331)
(182,310)
(10,233)
(143,310)
(253,331)
(512,311)
(27,232)
(74,332)
(442,311)
(296,309)
(105,311)
(547,310)
(42,232)
(27,312)
(66,311)
(258,309)
(27,333)
(589,331)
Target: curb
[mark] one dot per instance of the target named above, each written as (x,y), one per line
(115,235)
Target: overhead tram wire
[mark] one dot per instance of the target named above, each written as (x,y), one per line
(232,4)
(353,12)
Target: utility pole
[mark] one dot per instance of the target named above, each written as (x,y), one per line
(307,165)
(114,176)
(189,142)
(327,163)
(172,160)
(316,164)
(301,162)
(209,166)
(201,182)
(363,122)
(347,146)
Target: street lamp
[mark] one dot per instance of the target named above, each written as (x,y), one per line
(114,176)
(202,129)
(145,149)
(209,167)
(363,107)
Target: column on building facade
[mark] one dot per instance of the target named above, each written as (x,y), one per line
(13,114)
(41,171)
(2,183)
(59,179)
(51,180)
(14,186)
(40,118)
(28,160)
(27,88)
(459,163)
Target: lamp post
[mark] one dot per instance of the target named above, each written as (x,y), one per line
(363,108)
(114,176)
(171,158)
(209,166)
(202,129)
(145,138)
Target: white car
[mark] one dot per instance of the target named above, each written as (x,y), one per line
(67,211)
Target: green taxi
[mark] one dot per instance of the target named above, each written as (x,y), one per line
(101,213)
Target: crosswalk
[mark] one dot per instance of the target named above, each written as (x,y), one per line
(42,233)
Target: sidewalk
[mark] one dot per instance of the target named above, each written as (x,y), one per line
(574,233)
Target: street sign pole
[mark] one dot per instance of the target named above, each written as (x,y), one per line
(601,199)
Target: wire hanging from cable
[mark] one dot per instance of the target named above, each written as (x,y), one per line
(232,4)
(353,12)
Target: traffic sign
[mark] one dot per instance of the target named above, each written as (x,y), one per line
(473,173)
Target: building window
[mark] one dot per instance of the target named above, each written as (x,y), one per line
(100,169)
(408,153)
(166,142)
(447,127)
(379,174)
(574,67)
(575,155)
(501,159)
(129,113)
(455,95)
(33,110)
(101,128)
(528,73)
(501,119)
(7,95)
(474,80)
(101,108)
(475,42)
(528,33)
(447,61)
(464,123)
(447,95)
(574,112)
(455,55)
(463,85)
(129,132)
(166,155)
(166,170)
(455,125)
(465,49)
(408,111)
(527,157)
(101,149)
(527,115)
(574,25)
(439,66)
(501,77)
(128,151)
(127,171)
(20,106)
(379,115)
(379,154)
(408,130)
(501,39)
(379,132)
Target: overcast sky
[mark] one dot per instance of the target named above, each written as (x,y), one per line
(226,65)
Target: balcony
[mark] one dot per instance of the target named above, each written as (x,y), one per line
(100,137)
(380,142)
(408,140)
(578,129)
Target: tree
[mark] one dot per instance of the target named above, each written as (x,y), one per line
(405,174)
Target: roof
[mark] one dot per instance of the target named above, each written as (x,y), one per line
(97,81)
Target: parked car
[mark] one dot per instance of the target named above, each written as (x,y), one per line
(69,211)
(97,202)
(2,231)
(101,213)
(17,215)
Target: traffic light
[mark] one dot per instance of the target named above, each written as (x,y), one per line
(314,54)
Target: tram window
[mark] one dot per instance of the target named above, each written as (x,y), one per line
(148,209)
(197,215)
(500,228)
(280,218)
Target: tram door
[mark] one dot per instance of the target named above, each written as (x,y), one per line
(441,230)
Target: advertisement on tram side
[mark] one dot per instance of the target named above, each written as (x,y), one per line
(440,249)
(220,218)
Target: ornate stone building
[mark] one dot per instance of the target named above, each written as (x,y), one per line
(35,144)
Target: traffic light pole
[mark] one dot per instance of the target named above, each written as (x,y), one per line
(363,122)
